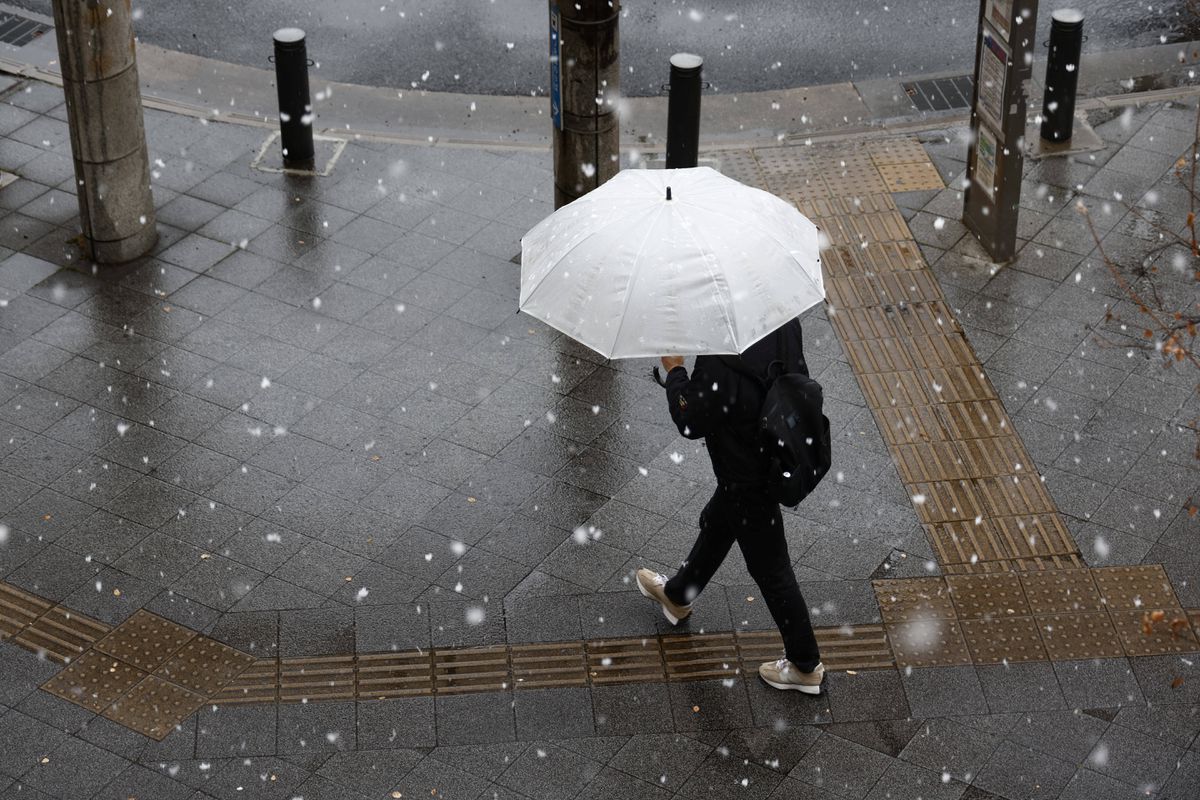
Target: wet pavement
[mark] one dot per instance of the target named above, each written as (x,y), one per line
(310,446)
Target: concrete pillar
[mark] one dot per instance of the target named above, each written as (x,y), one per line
(587,132)
(108,139)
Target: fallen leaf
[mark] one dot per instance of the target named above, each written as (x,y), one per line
(47,517)
(695,709)
(1158,615)
(1175,684)
(116,592)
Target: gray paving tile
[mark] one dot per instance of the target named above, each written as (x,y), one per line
(943,691)
(232,731)
(74,768)
(433,778)
(1098,683)
(402,722)
(706,705)
(1030,686)
(885,736)
(1094,786)
(907,780)
(138,781)
(370,772)
(265,777)
(841,766)
(1133,758)
(475,719)
(545,773)
(1066,735)
(667,760)
(867,695)
(316,727)
(722,776)
(1185,779)
(553,713)
(945,745)
(1177,725)
(25,742)
(1015,771)
(633,709)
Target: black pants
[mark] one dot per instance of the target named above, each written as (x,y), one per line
(753,520)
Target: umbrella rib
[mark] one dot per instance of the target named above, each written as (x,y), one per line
(572,249)
(773,238)
(716,281)
(633,278)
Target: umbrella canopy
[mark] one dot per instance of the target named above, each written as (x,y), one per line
(671,262)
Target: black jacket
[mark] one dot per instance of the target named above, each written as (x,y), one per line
(722,405)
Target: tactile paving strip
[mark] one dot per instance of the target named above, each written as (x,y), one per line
(705,656)
(552,665)
(471,670)
(145,640)
(317,678)
(929,461)
(625,661)
(844,648)
(259,683)
(999,455)
(18,609)
(946,501)
(94,681)
(62,634)
(154,707)
(385,675)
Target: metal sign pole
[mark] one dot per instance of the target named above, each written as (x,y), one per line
(1003,68)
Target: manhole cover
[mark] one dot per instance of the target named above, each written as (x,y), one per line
(19,31)
(940,94)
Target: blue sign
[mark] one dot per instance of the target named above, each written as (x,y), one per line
(555,68)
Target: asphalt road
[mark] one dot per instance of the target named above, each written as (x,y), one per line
(500,46)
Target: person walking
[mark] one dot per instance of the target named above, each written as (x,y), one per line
(721,404)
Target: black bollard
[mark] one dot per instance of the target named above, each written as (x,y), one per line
(295,105)
(1062,74)
(683,111)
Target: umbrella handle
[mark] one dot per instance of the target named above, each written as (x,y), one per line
(657,375)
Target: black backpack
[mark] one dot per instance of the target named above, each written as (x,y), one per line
(793,431)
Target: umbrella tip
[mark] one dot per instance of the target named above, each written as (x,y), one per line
(668,192)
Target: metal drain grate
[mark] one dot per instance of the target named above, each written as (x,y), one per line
(940,94)
(19,31)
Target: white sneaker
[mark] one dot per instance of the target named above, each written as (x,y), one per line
(783,674)
(653,585)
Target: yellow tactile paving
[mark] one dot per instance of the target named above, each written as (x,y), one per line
(1068,591)
(94,680)
(1002,640)
(204,666)
(145,640)
(154,707)
(928,642)
(988,596)
(1070,637)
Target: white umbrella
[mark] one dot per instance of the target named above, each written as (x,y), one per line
(631,273)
